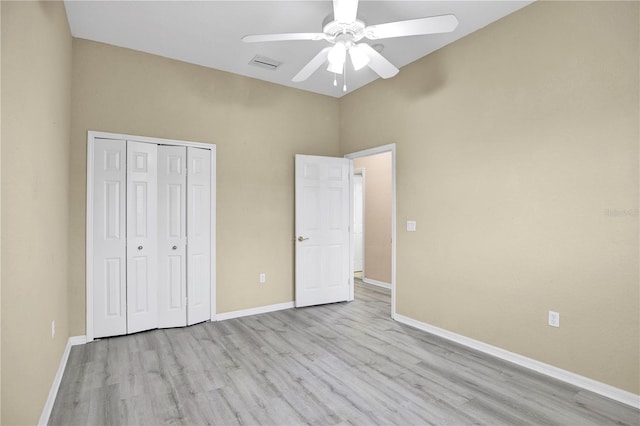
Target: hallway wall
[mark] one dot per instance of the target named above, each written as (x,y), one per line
(377,216)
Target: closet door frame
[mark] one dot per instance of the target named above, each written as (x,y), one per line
(91,137)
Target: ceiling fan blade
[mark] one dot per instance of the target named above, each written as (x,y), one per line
(420,26)
(345,11)
(378,63)
(312,66)
(283,37)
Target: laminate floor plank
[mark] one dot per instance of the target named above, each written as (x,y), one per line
(336,364)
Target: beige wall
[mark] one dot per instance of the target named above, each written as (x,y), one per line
(377,216)
(36,86)
(257,127)
(517,154)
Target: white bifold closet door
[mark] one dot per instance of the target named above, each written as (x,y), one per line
(199,235)
(142,236)
(109,237)
(152,236)
(172,236)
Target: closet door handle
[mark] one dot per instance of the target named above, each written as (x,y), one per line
(139,247)
(174,248)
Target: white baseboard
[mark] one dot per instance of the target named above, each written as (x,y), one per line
(254,311)
(53,392)
(600,388)
(376,283)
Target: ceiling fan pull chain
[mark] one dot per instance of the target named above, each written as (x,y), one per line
(335,79)
(344,77)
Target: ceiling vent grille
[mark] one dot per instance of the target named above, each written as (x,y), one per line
(264,62)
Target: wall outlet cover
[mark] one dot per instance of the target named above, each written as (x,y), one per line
(554,319)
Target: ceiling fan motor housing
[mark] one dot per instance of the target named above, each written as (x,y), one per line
(351,32)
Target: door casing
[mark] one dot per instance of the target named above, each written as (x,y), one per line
(361,174)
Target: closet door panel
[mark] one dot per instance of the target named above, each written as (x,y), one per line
(199,235)
(109,238)
(142,240)
(172,278)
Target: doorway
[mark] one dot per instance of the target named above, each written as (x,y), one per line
(377,166)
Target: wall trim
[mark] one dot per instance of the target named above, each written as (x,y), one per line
(376,283)
(254,311)
(586,383)
(55,386)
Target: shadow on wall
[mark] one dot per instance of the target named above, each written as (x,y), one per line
(424,81)
(48,9)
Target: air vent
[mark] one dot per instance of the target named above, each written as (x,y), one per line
(264,62)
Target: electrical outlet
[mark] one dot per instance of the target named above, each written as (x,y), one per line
(53,329)
(263,278)
(554,319)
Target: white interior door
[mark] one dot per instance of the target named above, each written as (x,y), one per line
(172,276)
(322,219)
(358,222)
(198,235)
(142,240)
(109,238)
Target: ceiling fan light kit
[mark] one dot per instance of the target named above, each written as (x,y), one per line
(345,31)
(359,59)
(337,57)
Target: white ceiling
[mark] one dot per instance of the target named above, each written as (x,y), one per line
(208,33)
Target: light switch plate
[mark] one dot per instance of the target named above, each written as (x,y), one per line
(411,225)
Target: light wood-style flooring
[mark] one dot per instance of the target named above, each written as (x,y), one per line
(338,364)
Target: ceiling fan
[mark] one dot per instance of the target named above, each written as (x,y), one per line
(344,32)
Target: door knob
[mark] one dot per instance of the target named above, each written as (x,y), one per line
(139,247)
(301,238)
(174,248)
